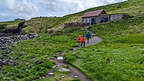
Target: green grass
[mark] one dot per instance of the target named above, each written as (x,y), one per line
(43,24)
(48,24)
(42,48)
(119,57)
(8,25)
(131,39)
(112,62)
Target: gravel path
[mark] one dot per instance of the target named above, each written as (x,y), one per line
(93,41)
(75,72)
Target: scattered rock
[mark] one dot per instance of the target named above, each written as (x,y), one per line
(12,58)
(54,66)
(22,54)
(0,68)
(15,64)
(5,62)
(1,63)
(60,58)
(64,70)
(75,76)
(30,67)
(5,41)
(62,76)
(51,74)
(39,62)
(5,55)
(24,69)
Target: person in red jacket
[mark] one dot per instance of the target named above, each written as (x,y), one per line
(79,40)
(83,41)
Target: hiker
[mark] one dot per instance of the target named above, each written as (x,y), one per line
(88,36)
(83,41)
(79,40)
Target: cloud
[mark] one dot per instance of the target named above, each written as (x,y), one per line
(18,9)
(11,9)
(10,3)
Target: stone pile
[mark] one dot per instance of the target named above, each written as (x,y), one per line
(5,34)
(5,41)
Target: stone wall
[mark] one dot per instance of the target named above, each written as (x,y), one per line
(110,17)
(98,19)
(115,17)
(5,40)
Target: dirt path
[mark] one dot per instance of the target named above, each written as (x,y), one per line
(75,72)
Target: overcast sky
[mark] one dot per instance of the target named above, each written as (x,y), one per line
(11,9)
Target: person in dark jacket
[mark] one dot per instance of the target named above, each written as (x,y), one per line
(88,36)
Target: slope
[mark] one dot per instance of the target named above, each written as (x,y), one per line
(112,60)
(132,7)
(120,56)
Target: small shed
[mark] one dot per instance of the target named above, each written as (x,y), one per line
(100,16)
(95,17)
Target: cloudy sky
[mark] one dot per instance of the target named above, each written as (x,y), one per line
(11,9)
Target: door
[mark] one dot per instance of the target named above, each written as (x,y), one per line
(93,21)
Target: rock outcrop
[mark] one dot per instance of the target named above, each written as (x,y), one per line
(5,41)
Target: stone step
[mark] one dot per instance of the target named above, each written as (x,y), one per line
(64,70)
(60,58)
(51,74)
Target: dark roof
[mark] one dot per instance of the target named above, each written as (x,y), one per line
(93,13)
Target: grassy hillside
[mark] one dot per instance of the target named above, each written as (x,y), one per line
(8,25)
(51,24)
(118,58)
(32,57)
(132,7)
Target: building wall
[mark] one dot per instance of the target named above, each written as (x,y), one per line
(86,20)
(98,19)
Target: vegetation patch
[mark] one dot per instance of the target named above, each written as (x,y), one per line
(31,58)
(132,39)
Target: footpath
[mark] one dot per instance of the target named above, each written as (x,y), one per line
(74,72)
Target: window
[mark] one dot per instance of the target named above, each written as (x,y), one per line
(87,20)
(84,20)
